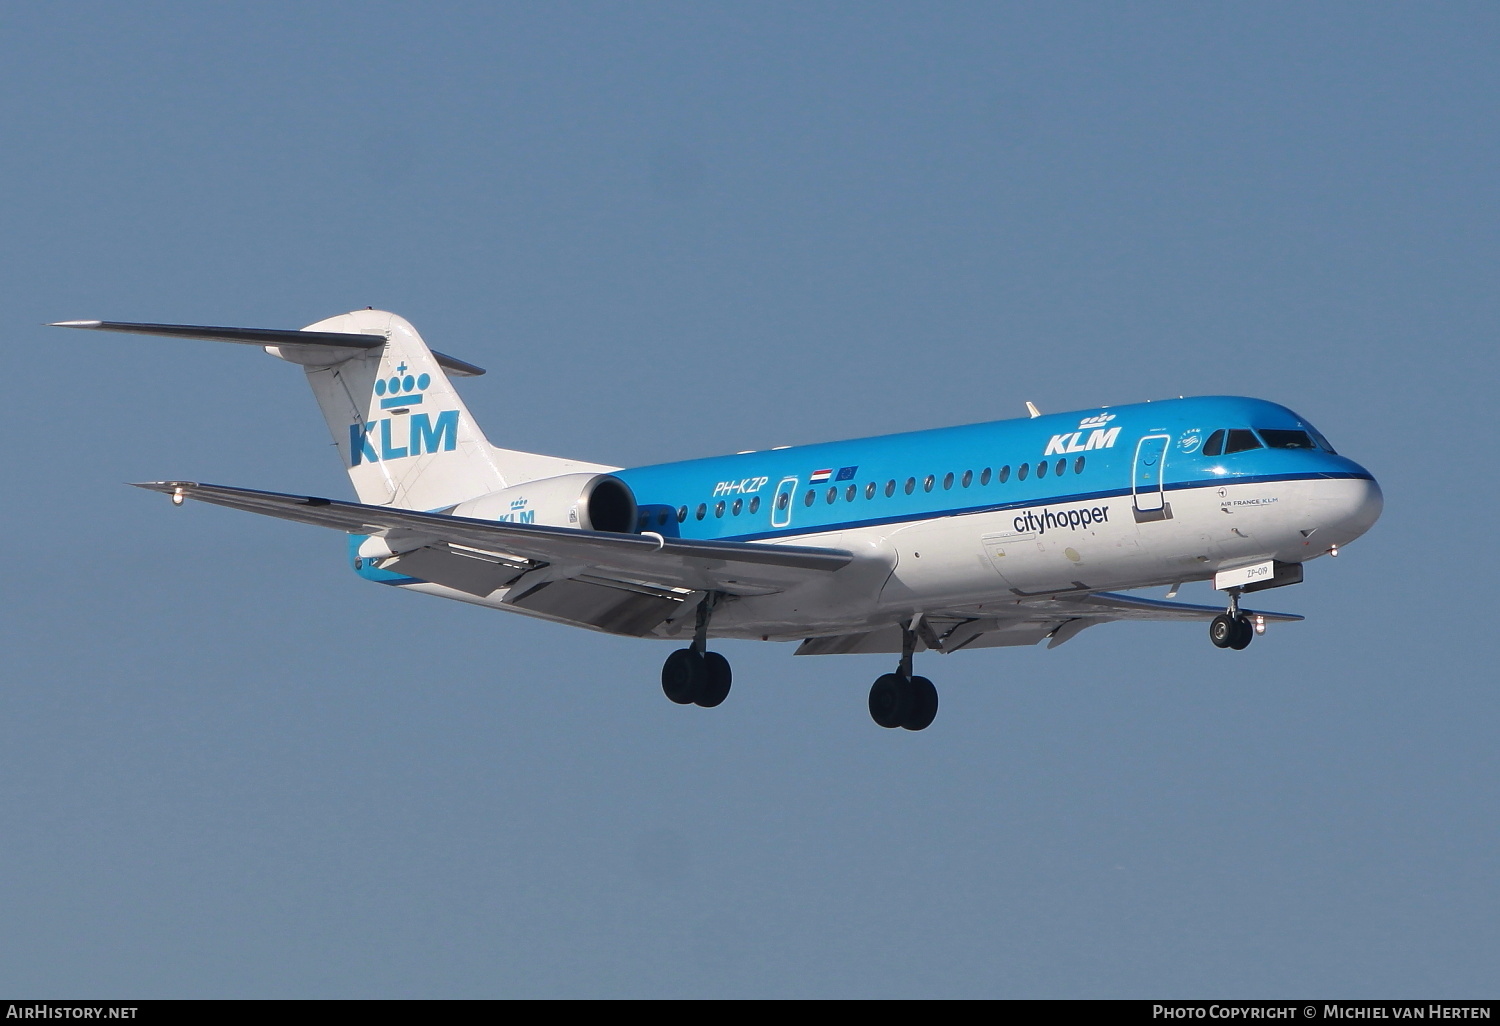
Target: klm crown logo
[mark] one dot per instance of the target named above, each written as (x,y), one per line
(399,393)
(402,391)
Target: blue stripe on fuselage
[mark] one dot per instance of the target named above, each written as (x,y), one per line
(1106,471)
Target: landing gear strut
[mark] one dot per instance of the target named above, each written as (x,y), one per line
(900,699)
(1231,628)
(693,675)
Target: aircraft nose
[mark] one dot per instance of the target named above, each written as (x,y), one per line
(1354,508)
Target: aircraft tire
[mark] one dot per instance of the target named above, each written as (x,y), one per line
(683,675)
(890,700)
(924,705)
(1244,633)
(716,680)
(1223,630)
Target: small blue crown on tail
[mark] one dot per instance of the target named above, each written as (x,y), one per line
(402,389)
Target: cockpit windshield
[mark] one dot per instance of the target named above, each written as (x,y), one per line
(1282,438)
(1231,440)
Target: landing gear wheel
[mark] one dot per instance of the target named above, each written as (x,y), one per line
(1244,633)
(924,704)
(716,680)
(1223,631)
(683,676)
(891,700)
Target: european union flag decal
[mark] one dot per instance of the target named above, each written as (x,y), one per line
(847,473)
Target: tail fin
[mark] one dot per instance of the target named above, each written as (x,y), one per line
(406,438)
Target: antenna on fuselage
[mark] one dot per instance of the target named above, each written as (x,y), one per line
(1031,408)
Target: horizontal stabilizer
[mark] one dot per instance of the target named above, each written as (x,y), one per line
(266,337)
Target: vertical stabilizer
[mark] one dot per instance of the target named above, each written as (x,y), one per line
(405,436)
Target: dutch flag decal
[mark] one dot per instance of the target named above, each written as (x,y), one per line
(819,476)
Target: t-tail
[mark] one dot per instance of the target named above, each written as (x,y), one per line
(406,438)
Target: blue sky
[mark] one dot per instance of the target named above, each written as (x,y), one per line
(230,768)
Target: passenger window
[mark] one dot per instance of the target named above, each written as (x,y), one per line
(702,509)
(681,514)
(890,488)
(739,504)
(1241,440)
(1281,439)
(911,483)
(783,501)
(870,490)
(1215,444)
(661,519)
(755,505)
(984,476)
(1062,465)
(947,481)
(1078,465)
(850,492)
(1021,471)
(927,483)
(968,478)
(1041,469)
(1004,474)
(833,493)
(719,508)
(809,498)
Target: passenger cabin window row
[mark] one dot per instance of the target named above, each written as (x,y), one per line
(930,483)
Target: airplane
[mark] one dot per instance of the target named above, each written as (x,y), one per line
(982,536)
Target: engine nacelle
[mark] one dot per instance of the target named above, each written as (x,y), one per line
(590,502)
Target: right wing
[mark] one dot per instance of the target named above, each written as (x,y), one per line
(1054,619)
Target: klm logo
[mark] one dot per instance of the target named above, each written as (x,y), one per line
(1099,437)
(384,439)
(518,514)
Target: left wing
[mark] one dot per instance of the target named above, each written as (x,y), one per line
(510,552)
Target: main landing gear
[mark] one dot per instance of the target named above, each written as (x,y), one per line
(1231,628)
(900,699)
(693,675)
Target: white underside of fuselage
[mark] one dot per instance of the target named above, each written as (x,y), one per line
(993,564)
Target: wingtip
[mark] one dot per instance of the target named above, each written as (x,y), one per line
(162,486)
(73,324)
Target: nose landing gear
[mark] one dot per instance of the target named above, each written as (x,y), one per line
(900,699)
(1231,628)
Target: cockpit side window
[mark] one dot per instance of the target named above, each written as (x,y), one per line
(1241,440)
(1281,438)
(1215,444)
(1322,442)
